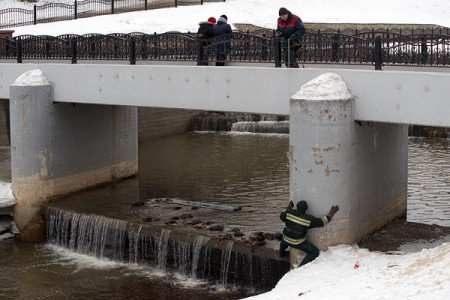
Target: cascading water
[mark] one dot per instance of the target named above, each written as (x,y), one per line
(226,255)
(281,127)
(162,249)
(199,243)
(197,257)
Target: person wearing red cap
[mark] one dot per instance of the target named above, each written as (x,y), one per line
(205,32)
(290,29)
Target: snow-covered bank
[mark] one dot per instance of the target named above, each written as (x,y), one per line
(346,272)
(256,12)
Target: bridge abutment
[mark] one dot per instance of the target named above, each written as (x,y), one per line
(360,166)
(61,148)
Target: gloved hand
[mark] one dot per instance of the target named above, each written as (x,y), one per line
(291,204)
(334,209)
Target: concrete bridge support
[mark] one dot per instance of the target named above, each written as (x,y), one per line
(360,166)
(61,148)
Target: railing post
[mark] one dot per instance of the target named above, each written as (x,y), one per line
(146,4)
(76,10)
(19,51)
(378,53)
(277,48)
(112,7)
(132,51)
(264,48)
(201,2)
(199,50)
(176,3)
(335,47)
(35,14)
(73,49)
(423,50)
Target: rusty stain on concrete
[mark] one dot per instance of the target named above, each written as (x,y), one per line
(315,151)
(328,171)
(290,154)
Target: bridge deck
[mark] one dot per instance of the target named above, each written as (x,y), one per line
(405,97)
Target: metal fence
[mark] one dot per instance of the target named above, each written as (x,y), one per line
(377,48)
(52,12)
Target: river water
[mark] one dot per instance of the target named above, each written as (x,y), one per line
(247,170)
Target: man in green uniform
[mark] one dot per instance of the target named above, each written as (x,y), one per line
(297,223)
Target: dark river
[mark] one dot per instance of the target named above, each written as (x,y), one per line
(248,170)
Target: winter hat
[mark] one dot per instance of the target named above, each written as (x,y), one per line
(222,19)
(212,20)
(302,205)
(283,11)
(224,16)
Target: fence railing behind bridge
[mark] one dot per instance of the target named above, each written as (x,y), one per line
(417,48)
(52,12)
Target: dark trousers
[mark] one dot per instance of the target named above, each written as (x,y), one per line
(312,252)
(290,53)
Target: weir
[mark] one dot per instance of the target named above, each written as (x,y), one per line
(225,263)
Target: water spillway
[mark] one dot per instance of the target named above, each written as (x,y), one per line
(222,262)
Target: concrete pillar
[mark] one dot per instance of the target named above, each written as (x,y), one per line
(60,148)
(362,167)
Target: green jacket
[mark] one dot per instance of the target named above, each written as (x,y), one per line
(297,224)
(292,27)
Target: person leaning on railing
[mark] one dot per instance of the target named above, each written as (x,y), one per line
(222,30)
(290,29)
(205,30)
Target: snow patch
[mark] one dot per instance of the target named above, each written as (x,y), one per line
(31,78)
(328,86)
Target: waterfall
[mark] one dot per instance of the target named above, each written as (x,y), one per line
(225,262)
(281,127)
(87,234)
(200,241)
(118,240)
(162,248)
(134,238)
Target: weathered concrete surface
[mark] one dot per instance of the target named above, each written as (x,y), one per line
(4,122)
(362,167)
(58,149)
(159,122)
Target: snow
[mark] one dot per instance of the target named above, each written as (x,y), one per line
(6,196)
(31,78)
(262,13)
(328,86)
(403,275)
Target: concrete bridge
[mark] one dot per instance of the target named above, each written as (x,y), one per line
(75,126)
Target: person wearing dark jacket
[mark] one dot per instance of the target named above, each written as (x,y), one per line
(206,31)
(297,222)
(222,32)
(290,29)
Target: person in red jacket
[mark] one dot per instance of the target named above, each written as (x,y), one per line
(290,29)
(297,222)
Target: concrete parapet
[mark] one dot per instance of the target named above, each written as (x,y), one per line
(61,148)
(360,166)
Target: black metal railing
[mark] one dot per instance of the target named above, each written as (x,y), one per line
(52,12)
(317,47)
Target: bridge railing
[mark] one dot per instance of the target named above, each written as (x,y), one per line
(52,12)
(318,47)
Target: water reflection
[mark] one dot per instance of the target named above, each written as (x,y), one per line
(429,181)
(247,170)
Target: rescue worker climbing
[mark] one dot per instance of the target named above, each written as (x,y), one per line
(297,223)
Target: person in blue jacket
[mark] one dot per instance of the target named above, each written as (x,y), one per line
(222,32)
(297,222)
